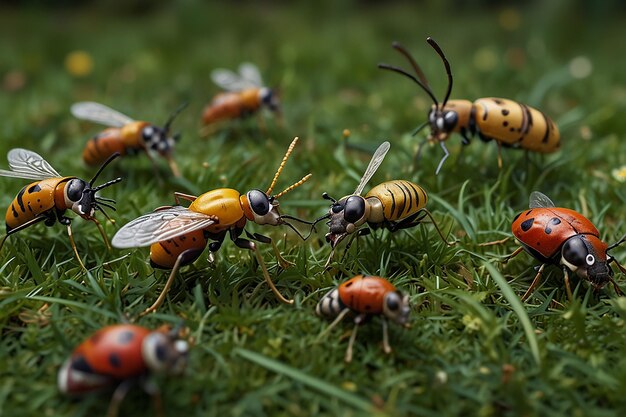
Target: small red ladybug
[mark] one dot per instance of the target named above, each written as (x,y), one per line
(560,236)
(122,355)
(365,296)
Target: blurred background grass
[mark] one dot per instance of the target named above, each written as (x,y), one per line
(470,350)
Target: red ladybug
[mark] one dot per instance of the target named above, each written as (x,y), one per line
(560,236)
(122,354)
(365,296)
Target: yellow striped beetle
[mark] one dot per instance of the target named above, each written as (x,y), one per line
(508,123)
(393,205)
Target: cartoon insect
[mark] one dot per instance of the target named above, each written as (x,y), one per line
(122,355)
(51,195)
(126,136)
(393,205)
(245,95)
(365,296)
(178,235)
(508,123)
(564,237)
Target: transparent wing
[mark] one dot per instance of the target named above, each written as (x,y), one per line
(29,165)
(251,73)
(159,226)
(539,200)
(230,80)
(99,113)
(377,159)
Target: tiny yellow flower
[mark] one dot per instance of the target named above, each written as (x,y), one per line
(620,173)
(79,63)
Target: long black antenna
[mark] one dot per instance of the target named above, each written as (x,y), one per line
(406,74)
(437,49)
(107,162)
(173,116)
(420,74)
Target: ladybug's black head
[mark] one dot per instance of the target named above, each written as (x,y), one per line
(346,215)
(586,256)
(165,353)
(396,307)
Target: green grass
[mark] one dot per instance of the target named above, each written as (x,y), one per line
(472,349)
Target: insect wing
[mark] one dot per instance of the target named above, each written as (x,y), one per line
(539,200)
(159,226)
(230,80)
(251,73)
(28,165)
(99,113)
(375,162)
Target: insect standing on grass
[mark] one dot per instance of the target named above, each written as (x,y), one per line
(178,235)
(365,296)
(508,123)
(126,136)
(245,95)
(51,195)
(120,356)
(393,205)
(564,237)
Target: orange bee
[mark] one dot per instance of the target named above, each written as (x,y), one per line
(245,94)
(125,135)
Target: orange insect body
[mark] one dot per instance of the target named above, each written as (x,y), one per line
(124,140)
(164,254)
(365,294)
(232,105)
(36,199)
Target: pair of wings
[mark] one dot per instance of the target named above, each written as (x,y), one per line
(28,165)
(160,225)
(99,113)
(248,76)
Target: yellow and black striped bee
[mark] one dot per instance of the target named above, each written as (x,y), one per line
(244,95)
(393,205)
(125,135)
(51,195)
(508,123)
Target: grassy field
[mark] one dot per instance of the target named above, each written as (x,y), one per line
(473,347)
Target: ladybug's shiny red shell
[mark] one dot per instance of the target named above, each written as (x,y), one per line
(365,294)
(544,230)
(111,354)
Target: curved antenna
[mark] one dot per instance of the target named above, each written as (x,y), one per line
(107,162)
(282,165)
(291,187)
(616,244)
(420,74)
(406,74)
(176,112)
(106,184)
(437,49)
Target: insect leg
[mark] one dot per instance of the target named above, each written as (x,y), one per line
(152,389)
(513,255)
(247,244)
(568,288)
(168,284)
(427,213)
(23,226)
(533,285)
(101,230)
(357,321)
(73,244)
(339,317)
(264,239)
(499,154)
(446,154)
(119,394)
(386,346)
(178,196)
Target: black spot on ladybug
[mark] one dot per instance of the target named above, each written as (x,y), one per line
(548,230)
(193,239)
(538,244)
(39,200)
(555,221)
(79,363)
(349,284)
(517,217)
(368,307)
(497,101)
(511,129)
(528,212)
(125,337)
(505,123)
(505,112)
(115,361)
(527,224)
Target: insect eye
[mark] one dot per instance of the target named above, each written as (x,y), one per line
(393,301)
(147,132)
(450,119)
(575,252)
(590,259)
(337,208)
(75,189)
(355,209)
(259,202)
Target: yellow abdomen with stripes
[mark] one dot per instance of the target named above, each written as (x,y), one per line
(399,198)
